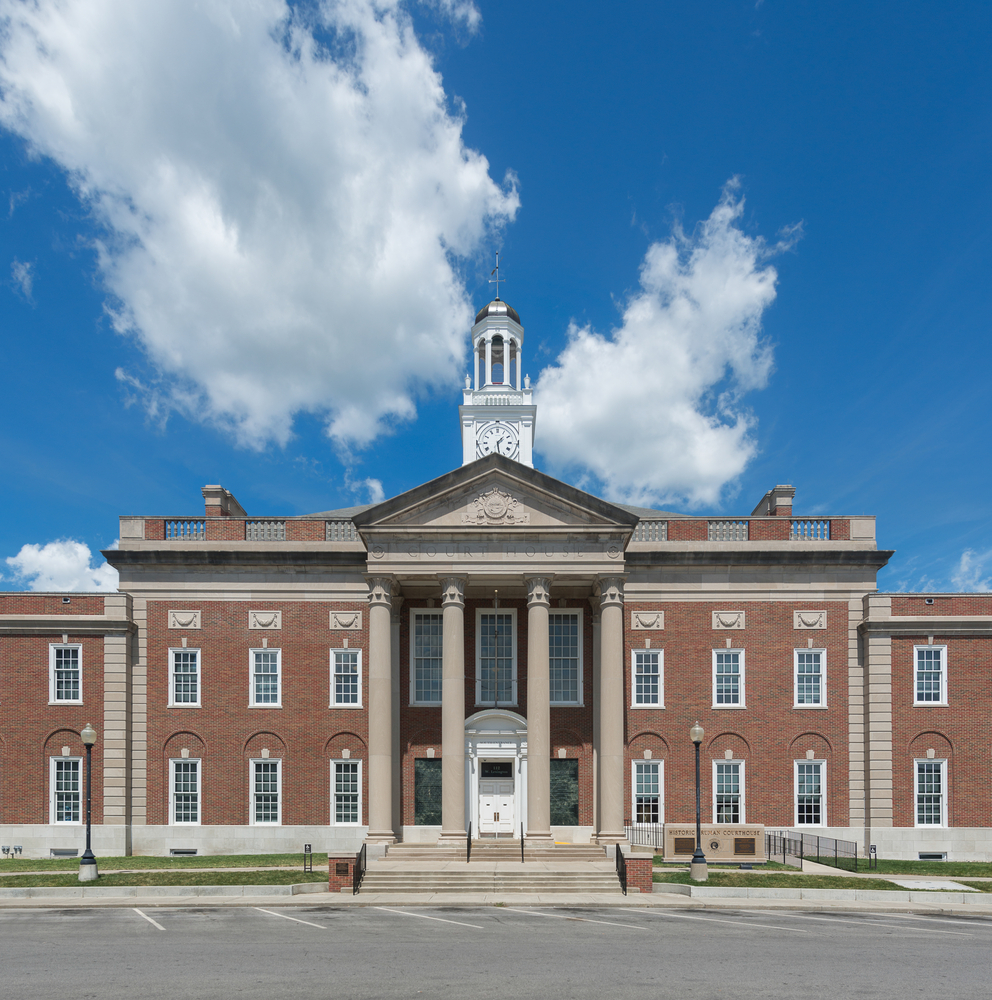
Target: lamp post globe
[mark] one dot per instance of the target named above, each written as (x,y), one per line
(87,863)
(697,868)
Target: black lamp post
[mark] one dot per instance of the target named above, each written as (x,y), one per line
(697,869)
(87,863)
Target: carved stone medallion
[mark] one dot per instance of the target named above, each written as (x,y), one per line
(184,619)
(640,620)
(728,619)
(346,621)
(809,619)
(495,507)
(265,619)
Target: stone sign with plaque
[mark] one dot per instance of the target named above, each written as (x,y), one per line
(743,843)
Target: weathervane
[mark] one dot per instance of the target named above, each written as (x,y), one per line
(495,281)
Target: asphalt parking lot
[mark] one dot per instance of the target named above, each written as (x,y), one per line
(489,952)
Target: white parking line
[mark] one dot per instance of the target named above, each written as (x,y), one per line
(273,913)
(585,920)
(878,923)
(148,918)
(424,916)
(721,920)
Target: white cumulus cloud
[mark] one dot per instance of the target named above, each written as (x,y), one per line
(62,565)
(973,572)
(654,412)
(285,195)
(21,272)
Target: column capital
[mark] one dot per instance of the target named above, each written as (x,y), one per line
(538,591)
(594,605)
(381,590)
(610,591)
(397,604)
(452,591)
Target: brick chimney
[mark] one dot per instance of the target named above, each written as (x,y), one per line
(775,503)
(221,503)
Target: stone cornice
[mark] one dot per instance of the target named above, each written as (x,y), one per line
(73,624)
(753,554)
(283,555)
(943,625)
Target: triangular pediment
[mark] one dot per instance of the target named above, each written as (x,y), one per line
(492,493)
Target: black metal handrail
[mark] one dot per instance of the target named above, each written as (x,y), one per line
(468,844)
(645,834)
(360,859)
(521,843)
(621,870)
(798,846)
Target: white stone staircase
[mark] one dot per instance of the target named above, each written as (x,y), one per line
(495,868)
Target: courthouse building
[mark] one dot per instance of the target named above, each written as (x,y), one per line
(494,650)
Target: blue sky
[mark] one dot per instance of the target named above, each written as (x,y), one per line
(245,249)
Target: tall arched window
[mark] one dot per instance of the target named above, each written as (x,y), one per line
(497,376)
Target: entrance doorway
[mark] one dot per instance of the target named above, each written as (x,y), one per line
(496,798)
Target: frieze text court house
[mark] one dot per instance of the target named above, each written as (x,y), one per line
(494,648)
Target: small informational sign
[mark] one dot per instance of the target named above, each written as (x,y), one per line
(496,769)
(719,843)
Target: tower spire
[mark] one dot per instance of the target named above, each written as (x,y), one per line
(495,281)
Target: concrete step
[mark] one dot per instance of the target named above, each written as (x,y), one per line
(476,882)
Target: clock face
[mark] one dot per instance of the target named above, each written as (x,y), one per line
(498,439)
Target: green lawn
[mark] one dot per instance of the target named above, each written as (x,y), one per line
(660,862)
(944,869)
(230,877)
(139,861)
(786,881)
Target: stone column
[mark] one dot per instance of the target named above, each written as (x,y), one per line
(380,711)
(453,710)
(610,711)
(596,688)
(538,710)
(489,358)
(397,771)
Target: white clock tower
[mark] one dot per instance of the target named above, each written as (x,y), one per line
(498,413)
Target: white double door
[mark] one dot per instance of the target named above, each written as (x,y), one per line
(496,806)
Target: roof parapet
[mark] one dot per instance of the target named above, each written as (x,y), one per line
(221,503)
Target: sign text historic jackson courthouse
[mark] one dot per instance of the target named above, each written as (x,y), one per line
(497,648)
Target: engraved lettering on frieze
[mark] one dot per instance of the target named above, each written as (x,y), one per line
(184,619)
(809,619)
(495,507)
(728,619)
(350,621)
(647,620)
(265,619)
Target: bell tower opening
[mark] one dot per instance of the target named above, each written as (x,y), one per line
(498,412)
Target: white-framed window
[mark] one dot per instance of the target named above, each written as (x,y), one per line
(346,678)
(647,672)
(426,649)
(184,791)
(931,792)
(266,678)
(811,678)
(496,656)
(648,791)
(184,678)
(930,675)
(266,792)
(811,796)
(65,782)
(728,678)
(728,791)
(565,657)
(346,793)
(65,674)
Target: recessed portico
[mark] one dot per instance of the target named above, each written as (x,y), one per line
(496,562)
